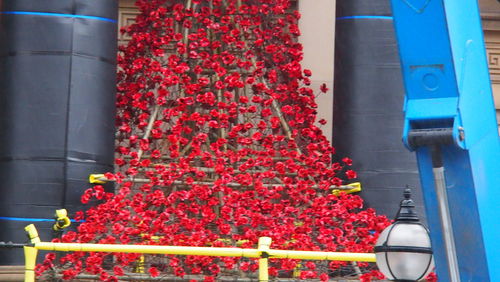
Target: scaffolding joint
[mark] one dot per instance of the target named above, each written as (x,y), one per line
(62,220)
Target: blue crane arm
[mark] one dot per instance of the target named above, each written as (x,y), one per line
(450,123)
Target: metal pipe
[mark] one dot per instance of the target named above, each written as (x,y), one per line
(263,247)
(446,226)
(313,255)
(148,249)
(444,213)
(203,251)
(30,254)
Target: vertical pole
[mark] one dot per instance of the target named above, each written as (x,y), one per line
(263,247)
(444,213)
(30,263)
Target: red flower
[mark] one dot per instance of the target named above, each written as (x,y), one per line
(323,88)
(118,270)
(351,174)
(347,161)
(154,272)
(432,277)
(69,274)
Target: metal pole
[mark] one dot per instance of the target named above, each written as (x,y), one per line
(30,254)
(444,213)
(263,247)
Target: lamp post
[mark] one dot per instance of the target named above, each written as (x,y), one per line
(403,249)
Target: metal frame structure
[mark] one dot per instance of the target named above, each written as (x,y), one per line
(450,122)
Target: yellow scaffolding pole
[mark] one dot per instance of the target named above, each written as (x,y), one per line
(148,249)
(313,255)
(263,252)
(29,263)
(263,247)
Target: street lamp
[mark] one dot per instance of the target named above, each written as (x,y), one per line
(403,249)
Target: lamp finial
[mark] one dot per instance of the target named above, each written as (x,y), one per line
(406,208)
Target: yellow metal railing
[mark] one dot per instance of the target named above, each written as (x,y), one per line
(263,252)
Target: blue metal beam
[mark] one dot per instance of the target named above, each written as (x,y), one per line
(447,85)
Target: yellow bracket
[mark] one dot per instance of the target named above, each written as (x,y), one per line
(296,270)
(349,189)
(239,243)
(62,220)
(153,238)
(32,234)
(97,178)
(140,265)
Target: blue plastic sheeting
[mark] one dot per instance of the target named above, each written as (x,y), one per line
(33,219)
(58,15)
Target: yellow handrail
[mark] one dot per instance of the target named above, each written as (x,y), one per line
(263,252)
(313,255)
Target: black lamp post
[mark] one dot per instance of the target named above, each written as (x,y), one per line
(403,249)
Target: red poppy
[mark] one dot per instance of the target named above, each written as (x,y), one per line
(323,88)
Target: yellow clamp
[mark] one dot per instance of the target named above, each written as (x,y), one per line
(353,188)
(153,238)
(139,268)
(239,243)
(62,220)
(297,271)
(97,178)
(32,234)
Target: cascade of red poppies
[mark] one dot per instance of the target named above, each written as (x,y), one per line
(217,146)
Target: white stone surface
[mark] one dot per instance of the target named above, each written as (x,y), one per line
(317,25)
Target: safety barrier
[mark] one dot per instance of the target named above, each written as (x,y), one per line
(263,252)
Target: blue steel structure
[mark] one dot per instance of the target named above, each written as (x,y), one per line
(450,122)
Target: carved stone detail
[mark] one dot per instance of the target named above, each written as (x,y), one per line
(492,40)
(493,55)
(126,17)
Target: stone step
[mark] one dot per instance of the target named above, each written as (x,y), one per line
(11,273)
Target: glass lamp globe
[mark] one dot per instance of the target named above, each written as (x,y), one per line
(403,249)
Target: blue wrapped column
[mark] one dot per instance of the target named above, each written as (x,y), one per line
(57,107)
(368,102)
